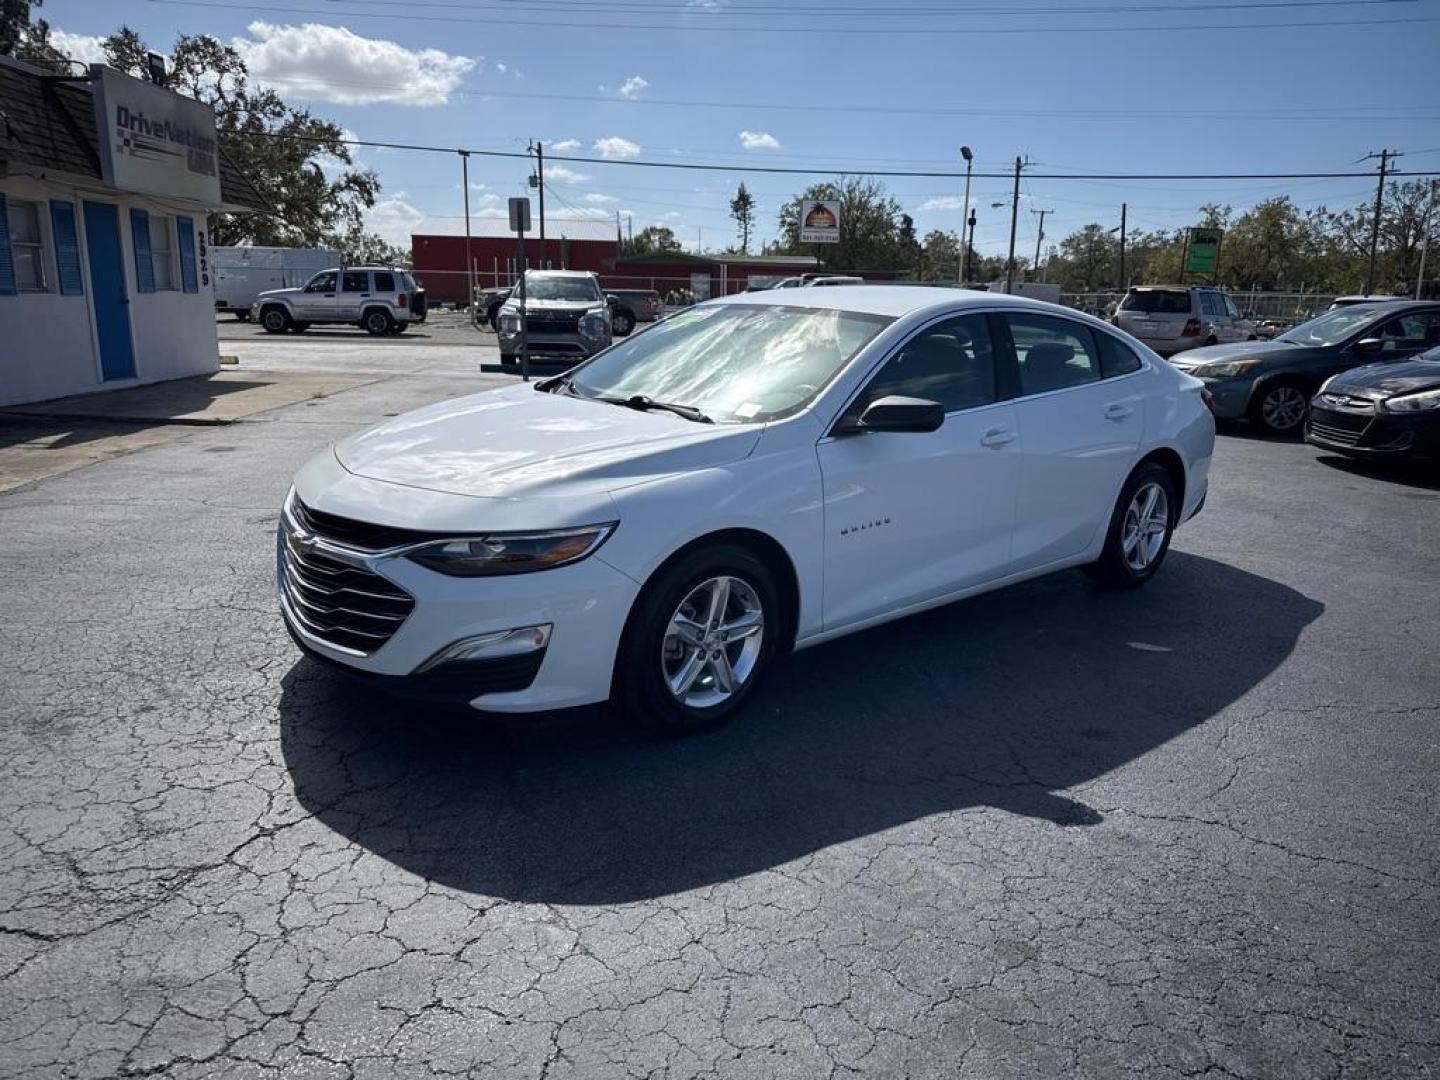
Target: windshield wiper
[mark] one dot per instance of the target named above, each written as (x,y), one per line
(640,401)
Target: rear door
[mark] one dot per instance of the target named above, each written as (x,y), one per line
(354,291)
(911,517)
(1079,432)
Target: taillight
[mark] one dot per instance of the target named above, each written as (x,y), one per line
(403,300)
(1192,328)
(1209,399)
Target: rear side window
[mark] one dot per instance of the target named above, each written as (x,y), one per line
(1053,353)
(952,363)
(384,281)
(1116,358)
(1157,301)
(355,281)
(1211,304)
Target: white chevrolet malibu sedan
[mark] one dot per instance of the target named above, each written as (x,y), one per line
(756,474)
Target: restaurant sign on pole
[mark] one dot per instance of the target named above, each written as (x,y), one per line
(820,221)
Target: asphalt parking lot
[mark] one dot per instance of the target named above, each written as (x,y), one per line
(1183,832)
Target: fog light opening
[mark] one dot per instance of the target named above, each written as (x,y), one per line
(492,646)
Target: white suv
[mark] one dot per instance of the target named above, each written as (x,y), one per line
(1173,318)
(380,300)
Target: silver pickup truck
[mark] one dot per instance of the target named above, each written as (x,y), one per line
(378,299)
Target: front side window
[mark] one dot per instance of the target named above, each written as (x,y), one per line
(1230,308)
(561,288)
(734,362)
(355,281)
(1053,353)
(26,246)
(1331,328)
(952,363)
(322,283)
(1420,330)
(162,250)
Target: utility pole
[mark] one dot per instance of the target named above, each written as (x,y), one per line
(1039,236)
(469,261)
(969,157)
(1123,279)
(539,149)
(1014,219)
(970,249)
(1385,156)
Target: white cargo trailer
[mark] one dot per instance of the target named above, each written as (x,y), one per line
(243,273)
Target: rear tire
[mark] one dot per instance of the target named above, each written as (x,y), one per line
(242,316)
(275,320)
(509,359)
(377,322)
(1141,526)
(622,323)
(685,664)
(1279,407)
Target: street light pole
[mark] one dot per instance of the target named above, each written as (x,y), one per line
(969,157)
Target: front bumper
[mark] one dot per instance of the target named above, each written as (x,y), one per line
(586,605)
(542,344)
(1373,434)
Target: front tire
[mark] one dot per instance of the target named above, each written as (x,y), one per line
(275,320)
(1141,526)
(1279,407)
(700,640)
(508,359)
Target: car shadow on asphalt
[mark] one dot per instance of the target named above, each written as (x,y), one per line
(1413,474)
(1005,700)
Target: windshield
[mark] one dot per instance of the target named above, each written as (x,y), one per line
(561,288)
(737,362)
(1331,328)
(1158,302)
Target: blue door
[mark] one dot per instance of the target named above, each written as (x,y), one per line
(107,286)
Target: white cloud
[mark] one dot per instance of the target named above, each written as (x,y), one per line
(566,144)
(615,148)
(759,140)
(564,175)
(597,199)
(393,219)
(588,213)
(83,47)
(944,202)
(500,67)
(331,63)
(632,86)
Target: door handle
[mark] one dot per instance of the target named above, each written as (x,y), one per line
(1118,411)
(329,296)
(997,436)
(364,294)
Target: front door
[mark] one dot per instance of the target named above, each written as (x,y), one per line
(107,286)
(317,302)
(1080,419)
(911,517)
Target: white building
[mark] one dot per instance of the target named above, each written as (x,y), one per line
(105,183)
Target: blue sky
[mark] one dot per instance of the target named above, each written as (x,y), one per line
(1074,87)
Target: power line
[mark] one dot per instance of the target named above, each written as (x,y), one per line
(646,7)
(869,31)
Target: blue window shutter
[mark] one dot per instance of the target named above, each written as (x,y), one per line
(67,247)
(140,237)
(7,259)
(188,279)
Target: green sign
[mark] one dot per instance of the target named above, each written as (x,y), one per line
(1202,251)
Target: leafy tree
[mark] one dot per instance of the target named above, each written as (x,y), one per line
(361,248)
(940,257)
(742,209)
(299,163)
(27,40)
(1088,259)
(655,239)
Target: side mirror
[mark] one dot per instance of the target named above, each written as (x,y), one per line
(897,413)
(611,298)
(1369,345)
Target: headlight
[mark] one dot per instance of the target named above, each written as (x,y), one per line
(509,322)
(1425,401)
(1225,369)
(512,553)
(594,323)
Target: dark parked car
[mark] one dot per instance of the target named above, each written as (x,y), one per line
(1389,411)
(1270,383)
(627,307)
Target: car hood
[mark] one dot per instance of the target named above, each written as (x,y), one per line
(1245,350)
(1376,382)
(577,306)
(518,442)
(279,292)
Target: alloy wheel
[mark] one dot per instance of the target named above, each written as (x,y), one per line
(712,642)
(1147,519)
(1283,408)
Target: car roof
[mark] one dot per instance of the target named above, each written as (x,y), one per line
(891,300)
(559,273)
